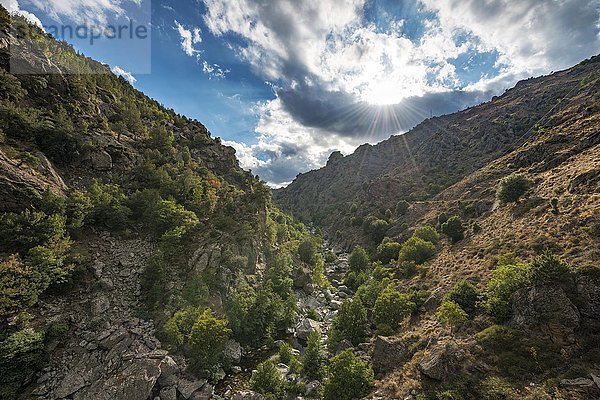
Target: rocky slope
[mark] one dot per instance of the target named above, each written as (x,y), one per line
(442,151)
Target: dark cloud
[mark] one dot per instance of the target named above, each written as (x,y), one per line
(345,115)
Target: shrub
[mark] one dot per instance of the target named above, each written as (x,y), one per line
(21,355)
(312,360)
(350,323)
(285,354)
(391,307)
(307,250)
(402,207)
(267,381)
(353,280)
(377,230)
(369,291)
(199,335)
(554,205)
(330,256)
(358,259)
(18,286)
(387,252)
(108,205)
(451,314)
(349,377)
(417,250)
(168,215)
(548,267)
(454,229)
(407,269)
(512,187)
(506,279)
(427,233)
(20,232)
(465,294)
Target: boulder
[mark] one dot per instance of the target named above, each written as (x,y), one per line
(169,393)
(545,309)
(169,372)
(101,161)
(301,277)
(247,395)
(188,388)
(306,327)
(312,389)
(439,362)
(588,290)
(233,352)
(389,354)
(343,345)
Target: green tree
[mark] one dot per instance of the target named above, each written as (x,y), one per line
(285,354)
(402,207)
(465,294)
(548,267)
(349,377)
(349,323)
(512,187)
(377,230)
(450,313)
(267,380)
(358,260)
(21,355)
(506,279)
(388,251)
(454,229)
(391,307)
(417,250)
(312,360)
(307,250)
(207,339)
(427,233)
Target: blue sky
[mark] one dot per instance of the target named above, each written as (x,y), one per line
(286,82)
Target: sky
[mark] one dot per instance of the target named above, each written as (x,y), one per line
(287,82)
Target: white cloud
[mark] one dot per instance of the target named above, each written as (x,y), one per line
(125,74)
(532,36)
(189,38)
(13,7)
(91,12)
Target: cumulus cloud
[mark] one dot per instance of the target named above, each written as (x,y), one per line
(13,7)
(189,38)
(94,12)
(340,80)
(125,74)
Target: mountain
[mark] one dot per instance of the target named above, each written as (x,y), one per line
(423,163)
(136,256)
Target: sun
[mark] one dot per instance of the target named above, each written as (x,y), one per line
(382,93)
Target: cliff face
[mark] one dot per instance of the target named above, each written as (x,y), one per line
(440,152)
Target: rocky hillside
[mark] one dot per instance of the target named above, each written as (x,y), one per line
(137,259)
(441,151)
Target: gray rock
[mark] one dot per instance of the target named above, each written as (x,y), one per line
(306,327)
(343,345)
(440,361)
(545,309)
(247,395)
(101,160)
(389,354)
(335,304)
(312,388)
(301,277)
(169,372)
(187,388)
(233,352)
(168,393)
(578,382)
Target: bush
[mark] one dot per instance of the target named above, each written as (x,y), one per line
(377,230)
(267,381)
(349,377)
(402,207)
(312,360)
(108,206)
(465,294)
(387,252)
(427,233)
(21,355)
(512,187)
(548,267)
(199,335)
(407,269)
(506,279)
(454,229)
(330,256)
(350,323)
(285,354)
(451,314)
(20,232)
(358,260)
(18,286)
(391,307)
(307,250)
(353,280)
(417,250)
